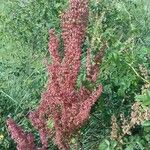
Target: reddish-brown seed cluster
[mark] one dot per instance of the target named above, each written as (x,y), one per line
(93,70)
(64,106)
(24,141)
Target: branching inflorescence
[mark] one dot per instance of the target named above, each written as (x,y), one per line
(62,105)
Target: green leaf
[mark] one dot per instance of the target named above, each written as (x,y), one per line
(145,98)
(129,147)
(103,146)
(146,124)
(50,123)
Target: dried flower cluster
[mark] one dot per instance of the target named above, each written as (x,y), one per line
(138,116)
(144,71)
(114,128)
(139,113)
(145,75)
(62,105)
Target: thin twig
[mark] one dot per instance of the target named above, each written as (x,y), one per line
(137,73)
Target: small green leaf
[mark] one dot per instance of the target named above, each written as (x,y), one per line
(130,147)
(103,146)
(73,140)
(145,98)
(50,123)
(146,124)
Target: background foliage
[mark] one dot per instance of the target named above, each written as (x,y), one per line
(124,24)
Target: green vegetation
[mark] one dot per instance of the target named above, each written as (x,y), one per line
(125,69)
